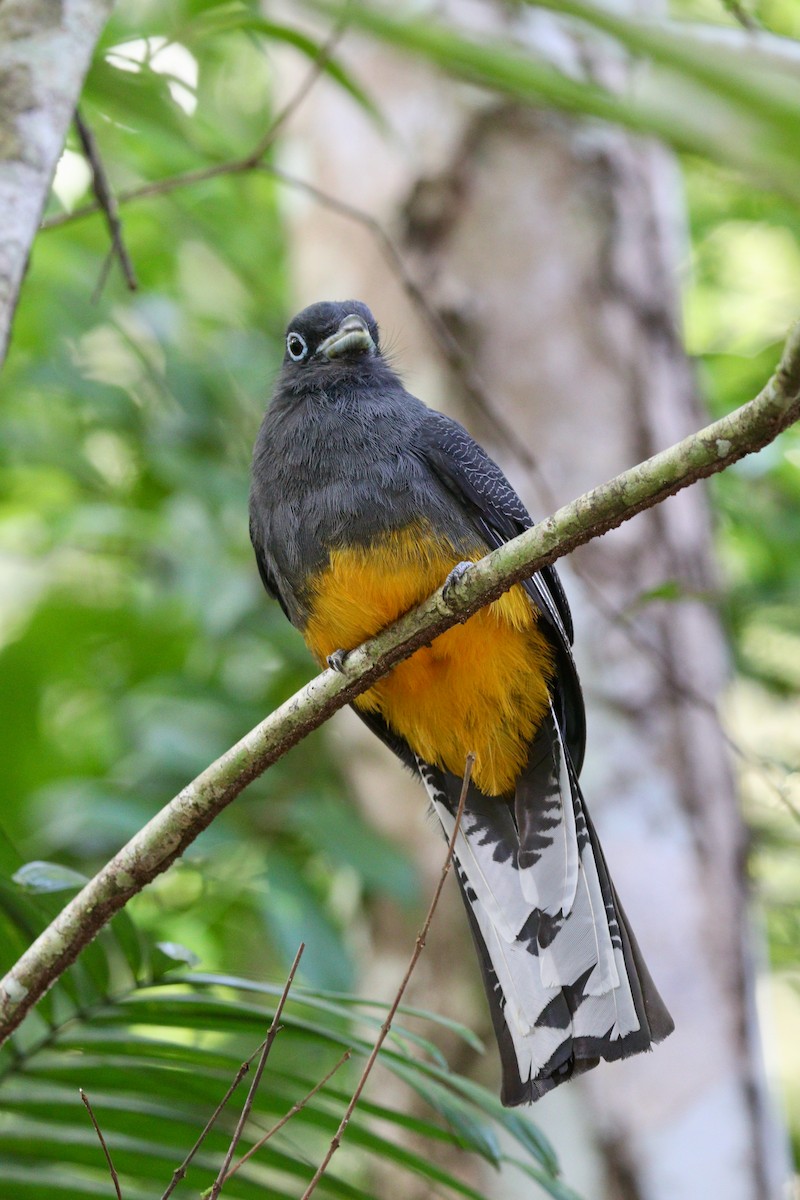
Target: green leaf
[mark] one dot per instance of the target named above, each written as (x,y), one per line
(48,877)
(338,829)
(710,103)
(471,1132)
(234,18)
(554,1187)
(177,954)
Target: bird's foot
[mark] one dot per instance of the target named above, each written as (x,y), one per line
(453,579)
(337,660)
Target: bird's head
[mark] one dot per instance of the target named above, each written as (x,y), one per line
(329,334)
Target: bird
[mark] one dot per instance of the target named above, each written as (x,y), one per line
(363,502)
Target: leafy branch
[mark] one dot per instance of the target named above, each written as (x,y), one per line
(168,834)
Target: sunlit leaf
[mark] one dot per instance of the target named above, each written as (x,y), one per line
(48,877)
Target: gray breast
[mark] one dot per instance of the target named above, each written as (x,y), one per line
(328,475)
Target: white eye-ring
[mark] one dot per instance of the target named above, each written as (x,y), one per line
(296,346)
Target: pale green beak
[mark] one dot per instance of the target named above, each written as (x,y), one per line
(352,337)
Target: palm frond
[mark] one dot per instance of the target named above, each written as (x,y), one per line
(155,1045)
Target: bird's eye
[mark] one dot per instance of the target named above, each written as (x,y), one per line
(296,345)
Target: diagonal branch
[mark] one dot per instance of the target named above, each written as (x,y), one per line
(169,833)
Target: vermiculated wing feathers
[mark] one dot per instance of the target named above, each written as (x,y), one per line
(467,468)
(499,514)
(267,577)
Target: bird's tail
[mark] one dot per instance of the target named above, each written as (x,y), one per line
(565,979)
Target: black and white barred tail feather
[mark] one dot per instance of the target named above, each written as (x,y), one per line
(565,980)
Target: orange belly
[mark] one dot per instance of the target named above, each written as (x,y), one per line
(479,687)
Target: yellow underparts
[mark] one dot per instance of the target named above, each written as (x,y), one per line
(481,686)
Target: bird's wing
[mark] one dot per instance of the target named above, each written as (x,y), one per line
(267,577)
(480,486)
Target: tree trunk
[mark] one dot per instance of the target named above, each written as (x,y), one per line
(45,50)
(550,250)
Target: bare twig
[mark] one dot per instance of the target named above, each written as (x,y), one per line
(294,102)
(387,1024)
(180,1171)
(259,1071)
(112,1170)
(158,187)
(102,278)
(288,1116)
(741,14)
(166,836)
(107,202)
(232,166)
(763,766)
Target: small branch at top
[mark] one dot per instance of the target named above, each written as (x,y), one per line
(741,14)
(294,102)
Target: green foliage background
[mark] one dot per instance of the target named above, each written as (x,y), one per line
(135,641)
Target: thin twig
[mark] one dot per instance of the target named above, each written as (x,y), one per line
(288,1116)
(180,1171)
(741,14)
(157,187)
(762,766)
(259,1071)
(107,202)
(232,166)
(387,1024)
(114,1176)
(293,103)
(102,278)
(104,195)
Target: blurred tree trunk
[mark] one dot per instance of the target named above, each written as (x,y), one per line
(551,249)
(45,50)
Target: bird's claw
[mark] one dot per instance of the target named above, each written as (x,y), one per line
(337,660)
(456,575)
